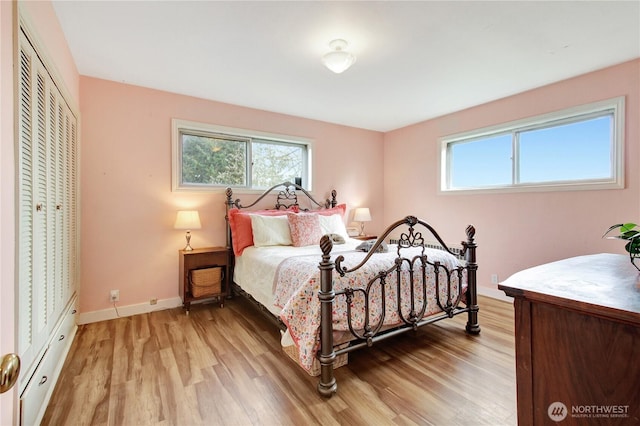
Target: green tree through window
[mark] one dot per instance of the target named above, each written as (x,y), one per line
(213,161)
(275,163)
(207,156)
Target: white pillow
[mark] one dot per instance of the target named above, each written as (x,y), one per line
(270,230)
(333,225)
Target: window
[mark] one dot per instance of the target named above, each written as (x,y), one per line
(207,157)
(579,148)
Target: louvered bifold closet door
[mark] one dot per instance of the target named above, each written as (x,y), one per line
(25,210)
(60,213)
(47,177)
(33,292)
(53,211)
(41,299)
(72,160)
(66,201)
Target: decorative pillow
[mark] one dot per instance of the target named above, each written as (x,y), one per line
(339,209)
(305,229)
(240,224)
(333,225)
(368,245)
(270,230)
(336,238)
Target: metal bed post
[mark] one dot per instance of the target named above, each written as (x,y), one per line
(327,385)
(229,204)
(473,327)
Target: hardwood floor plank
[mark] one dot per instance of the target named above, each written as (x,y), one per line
(181,400)
(216,404)
(225,367)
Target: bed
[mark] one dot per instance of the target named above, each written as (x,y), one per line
(331,294)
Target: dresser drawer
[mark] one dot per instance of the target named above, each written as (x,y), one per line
(35,397)
(62,336)
(32,400)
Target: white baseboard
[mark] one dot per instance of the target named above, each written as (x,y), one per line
(143,308)
(494,293)
(127,311)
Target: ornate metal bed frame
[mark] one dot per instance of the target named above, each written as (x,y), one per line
(285,198)
(410,237)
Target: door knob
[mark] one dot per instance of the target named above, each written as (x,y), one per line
(9,370)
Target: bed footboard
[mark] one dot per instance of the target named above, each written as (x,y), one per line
(473,327)
(328,353)
(327,385)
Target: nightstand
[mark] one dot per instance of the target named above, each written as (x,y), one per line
(365,237)
(201,260)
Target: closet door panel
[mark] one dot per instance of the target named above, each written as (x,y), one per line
(53,256)
(73,211)
(60,201)
(25,210)
(42,320)
(67,207)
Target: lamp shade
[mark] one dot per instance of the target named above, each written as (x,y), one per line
(338,60)
(187,219)
(362,214)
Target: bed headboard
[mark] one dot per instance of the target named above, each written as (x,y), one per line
(286,197)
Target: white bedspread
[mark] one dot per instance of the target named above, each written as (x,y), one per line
(255,270)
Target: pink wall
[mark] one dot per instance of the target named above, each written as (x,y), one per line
(517,230)
(41,19)
(128,209)
(137,254)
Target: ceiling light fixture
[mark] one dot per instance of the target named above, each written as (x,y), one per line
(338,60)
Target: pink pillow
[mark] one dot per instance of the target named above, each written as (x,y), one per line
(241,230)
(339,209)
(305,229)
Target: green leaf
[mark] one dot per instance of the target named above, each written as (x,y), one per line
(629,235)
(627,227)
(611,229)
(633,246)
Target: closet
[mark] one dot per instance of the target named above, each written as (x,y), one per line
(47,228)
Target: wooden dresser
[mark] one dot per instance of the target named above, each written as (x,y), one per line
(577,326)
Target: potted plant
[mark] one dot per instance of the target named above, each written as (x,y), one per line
(627,231)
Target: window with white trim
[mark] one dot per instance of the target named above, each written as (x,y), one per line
(577,148)
(208,157)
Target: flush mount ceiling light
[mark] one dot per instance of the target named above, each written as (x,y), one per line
(338,60)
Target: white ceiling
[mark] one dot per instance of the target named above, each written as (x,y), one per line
(416,60)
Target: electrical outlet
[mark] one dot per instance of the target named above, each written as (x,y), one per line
(114,296)
(494,278)
(153,301)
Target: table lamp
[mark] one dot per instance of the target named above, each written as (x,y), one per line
(362,215)
(188,220)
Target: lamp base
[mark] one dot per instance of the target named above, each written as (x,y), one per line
(188,246)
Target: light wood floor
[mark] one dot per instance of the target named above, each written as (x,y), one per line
(225,366)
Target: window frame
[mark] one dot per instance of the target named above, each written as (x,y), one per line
(569,115)
(179,126)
